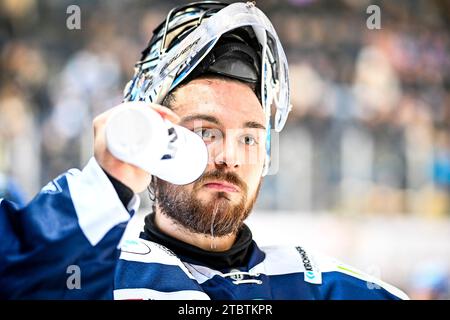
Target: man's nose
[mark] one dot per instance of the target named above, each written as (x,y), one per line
(227,155)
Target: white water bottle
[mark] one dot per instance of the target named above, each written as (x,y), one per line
(140,136)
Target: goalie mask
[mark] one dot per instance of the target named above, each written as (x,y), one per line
(233,40)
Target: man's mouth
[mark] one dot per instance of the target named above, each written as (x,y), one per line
(221,186)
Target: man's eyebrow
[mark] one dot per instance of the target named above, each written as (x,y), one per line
(204,117)
(254,124)
(212,119)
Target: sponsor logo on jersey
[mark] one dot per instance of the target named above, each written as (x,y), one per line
(136,247)
(312,273)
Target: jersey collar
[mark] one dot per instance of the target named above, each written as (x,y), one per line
(243,253)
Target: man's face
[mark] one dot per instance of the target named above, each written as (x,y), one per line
(229,118)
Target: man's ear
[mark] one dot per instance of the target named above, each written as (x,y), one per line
(151,188)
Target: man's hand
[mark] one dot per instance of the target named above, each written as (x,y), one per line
(130,175)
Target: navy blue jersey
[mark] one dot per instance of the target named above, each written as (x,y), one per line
(148,270)
(77,222)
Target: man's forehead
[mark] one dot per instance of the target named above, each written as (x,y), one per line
(227,100)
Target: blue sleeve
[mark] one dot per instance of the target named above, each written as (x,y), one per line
(63,244)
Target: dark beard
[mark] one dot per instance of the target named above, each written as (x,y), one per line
(218,217)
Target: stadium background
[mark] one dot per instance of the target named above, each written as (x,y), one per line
(365,157)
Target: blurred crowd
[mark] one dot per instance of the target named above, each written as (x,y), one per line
(370,128)
(370,131)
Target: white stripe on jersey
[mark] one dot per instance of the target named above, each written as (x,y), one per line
(149,294)
(329,264)
(279,260)
(134,250)
(96,202)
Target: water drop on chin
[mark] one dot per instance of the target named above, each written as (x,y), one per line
(213,242)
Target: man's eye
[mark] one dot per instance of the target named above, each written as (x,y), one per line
(207,134)
(249,140)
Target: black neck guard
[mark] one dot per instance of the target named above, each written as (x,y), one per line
(237,256)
